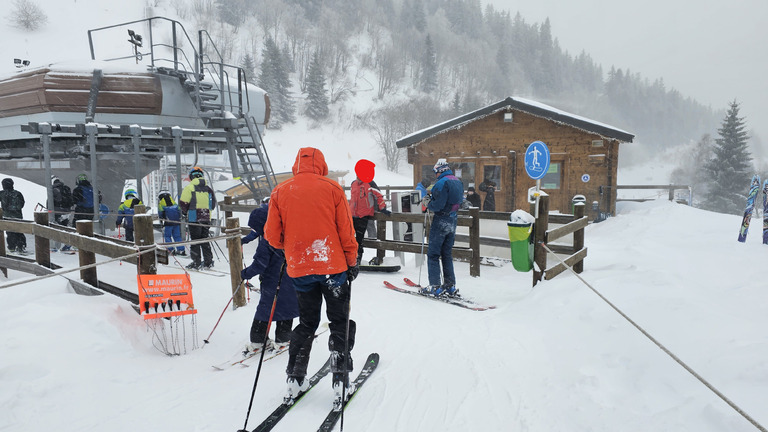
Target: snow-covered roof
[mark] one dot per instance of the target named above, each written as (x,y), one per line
(531,107)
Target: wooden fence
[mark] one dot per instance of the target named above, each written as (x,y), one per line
(671,188)
(542,235)
(143,253)
(572,224)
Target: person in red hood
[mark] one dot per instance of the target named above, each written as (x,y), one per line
(309,218)
(365,199)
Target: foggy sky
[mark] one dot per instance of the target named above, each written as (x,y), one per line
(713,51)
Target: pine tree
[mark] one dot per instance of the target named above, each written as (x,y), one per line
(248,64)
(429,67)
(275,80)
(729,168)
(317,97)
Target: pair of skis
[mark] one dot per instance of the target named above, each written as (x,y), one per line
(456,301)
(754,190)
(333,416)
(243,358)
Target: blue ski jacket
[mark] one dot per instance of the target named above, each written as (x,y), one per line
(447,194)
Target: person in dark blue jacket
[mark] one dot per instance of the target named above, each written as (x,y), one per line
(444,200)
(170,215)
(267,264)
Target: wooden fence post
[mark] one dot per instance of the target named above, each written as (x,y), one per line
(2,246)
(541,225)
(578,236)
(474,241)
(227,201)
(143,236)
(235,249)
(42,244)
(85,227)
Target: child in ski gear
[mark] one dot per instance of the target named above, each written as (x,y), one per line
(472,197)
(196,202)
(170,214)
(267,264)
(83,199)
(364,201)
(321,256)
(12,202)
(125,212)
(489,187)
(62,207)
(446,196)
(62,201)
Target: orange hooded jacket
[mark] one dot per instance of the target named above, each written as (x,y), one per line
(309,218)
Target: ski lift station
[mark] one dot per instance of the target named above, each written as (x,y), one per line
(154,111)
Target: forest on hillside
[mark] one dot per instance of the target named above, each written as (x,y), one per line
(430,60)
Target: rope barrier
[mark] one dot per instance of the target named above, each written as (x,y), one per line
(69,270)
(142,250)
(662,347)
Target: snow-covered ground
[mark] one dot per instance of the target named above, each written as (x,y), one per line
(553,358)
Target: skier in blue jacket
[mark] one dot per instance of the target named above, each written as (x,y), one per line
(267,263)
(170,214)
(444,200)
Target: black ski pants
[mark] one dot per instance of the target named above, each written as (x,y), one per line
(311,290)
(361,226)
(196,232)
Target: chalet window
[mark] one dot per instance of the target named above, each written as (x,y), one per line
(465,171)
(553,178)
(492,173)
(428,173)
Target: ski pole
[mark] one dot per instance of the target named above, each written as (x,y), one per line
(346,358)
(423,240)
(242,282)
(263,348)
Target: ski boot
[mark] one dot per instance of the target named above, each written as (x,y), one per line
(296,386)
(429,290)
(338,391)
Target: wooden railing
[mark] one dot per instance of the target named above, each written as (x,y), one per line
(542,235)
(671,188)
(143,253)
(571,224)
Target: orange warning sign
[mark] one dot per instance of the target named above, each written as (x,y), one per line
(165,295)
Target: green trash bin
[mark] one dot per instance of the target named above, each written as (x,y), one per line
(520,245)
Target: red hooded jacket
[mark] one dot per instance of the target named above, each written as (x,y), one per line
(309,218)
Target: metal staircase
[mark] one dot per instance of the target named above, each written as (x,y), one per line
(220,94)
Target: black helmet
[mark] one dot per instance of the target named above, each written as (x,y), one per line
(7,183)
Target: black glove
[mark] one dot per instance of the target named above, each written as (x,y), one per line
(242,274)
(245,240)
(386,212)
(352,273)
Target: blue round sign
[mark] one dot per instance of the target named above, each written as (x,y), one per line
(537,160)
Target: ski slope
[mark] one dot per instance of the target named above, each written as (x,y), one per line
(553,358)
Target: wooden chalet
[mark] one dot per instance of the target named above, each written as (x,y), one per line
(490,143)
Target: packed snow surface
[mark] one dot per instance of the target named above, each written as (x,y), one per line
(551,358)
